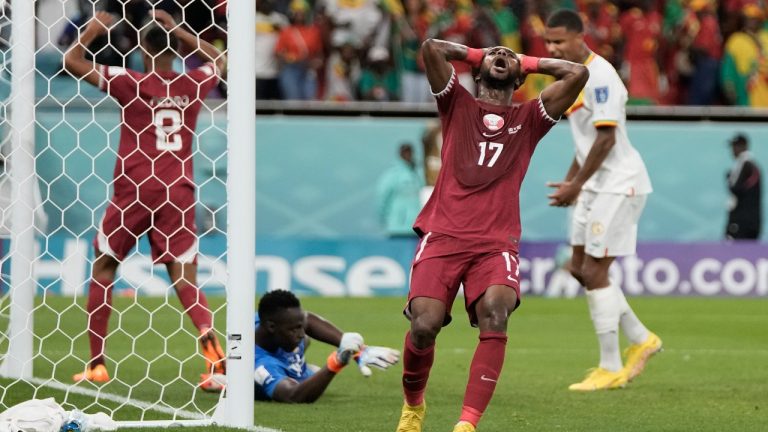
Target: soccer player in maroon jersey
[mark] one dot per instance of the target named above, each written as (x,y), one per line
(154,190)
(470,227)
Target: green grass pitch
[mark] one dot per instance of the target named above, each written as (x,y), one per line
(712,375)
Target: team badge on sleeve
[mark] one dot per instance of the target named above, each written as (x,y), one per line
(601,94)
(262,376)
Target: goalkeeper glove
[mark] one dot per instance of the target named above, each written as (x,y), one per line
(351,342)
(379,357)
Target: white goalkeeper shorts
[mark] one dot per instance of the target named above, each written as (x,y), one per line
(606,223)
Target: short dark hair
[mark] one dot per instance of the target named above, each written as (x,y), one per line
(566,18)
(159,41)
(740,139)
(275,301)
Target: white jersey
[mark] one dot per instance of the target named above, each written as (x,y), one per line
(602,103)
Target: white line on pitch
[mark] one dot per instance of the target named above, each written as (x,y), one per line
(122,400)
(116,398)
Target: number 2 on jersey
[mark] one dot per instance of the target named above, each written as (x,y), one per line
(167,129)
(496,148)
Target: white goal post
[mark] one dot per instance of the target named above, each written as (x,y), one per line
(152,351)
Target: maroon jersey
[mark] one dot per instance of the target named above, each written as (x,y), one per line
(158,122)
(485,155)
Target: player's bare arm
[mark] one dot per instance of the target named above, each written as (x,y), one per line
(291,391)
(571,79)
(319,328)
(573,170)
(437,54)
(196,45)
(74,59)
(568,191)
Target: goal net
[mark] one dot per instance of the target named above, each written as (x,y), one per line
(67,145)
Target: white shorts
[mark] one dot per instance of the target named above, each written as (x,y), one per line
(606,224)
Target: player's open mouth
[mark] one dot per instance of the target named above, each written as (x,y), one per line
(500,65)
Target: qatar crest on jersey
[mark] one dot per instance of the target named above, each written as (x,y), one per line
(493,122)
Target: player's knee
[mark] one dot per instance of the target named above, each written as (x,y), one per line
(104,268)
(494,319)
(424,331)
(593,276)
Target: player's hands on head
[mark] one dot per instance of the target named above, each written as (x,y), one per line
(522,74)
(565,193)
(100,23)
(165,19)
(378,357)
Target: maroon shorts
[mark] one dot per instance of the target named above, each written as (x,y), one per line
(166,216)
(443,263)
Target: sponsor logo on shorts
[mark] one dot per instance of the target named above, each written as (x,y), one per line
(597,228)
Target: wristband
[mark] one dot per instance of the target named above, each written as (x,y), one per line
(474,57)
(529,64)
(333,364)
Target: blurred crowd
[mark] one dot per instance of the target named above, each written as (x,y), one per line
(671,52)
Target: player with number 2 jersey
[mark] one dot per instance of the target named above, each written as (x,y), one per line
(154,190)
(153,172)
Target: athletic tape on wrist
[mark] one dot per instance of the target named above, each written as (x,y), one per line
(474,57)
(333,364)
(529,64)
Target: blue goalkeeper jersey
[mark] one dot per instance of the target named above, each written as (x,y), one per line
(273,367)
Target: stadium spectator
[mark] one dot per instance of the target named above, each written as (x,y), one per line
(378,80)
(283,331)
(673,66)
(601,28)
(641,27)
(608,184)
(484,31)
(743,69)
(744,207)
(702,42)
(154,192)
(397,193)
(454,23)
(507,23)
(410,31)
(342,72)
(532,31)
(299,48)
(268,25)
(355,20)
(470,227)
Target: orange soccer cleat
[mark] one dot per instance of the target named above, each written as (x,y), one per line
(215,359)
(97,374)
(213,383)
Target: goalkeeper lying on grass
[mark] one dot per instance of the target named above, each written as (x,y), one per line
(282,332)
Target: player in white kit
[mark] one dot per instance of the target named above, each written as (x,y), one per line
(608,184)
